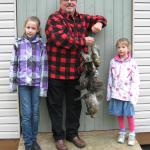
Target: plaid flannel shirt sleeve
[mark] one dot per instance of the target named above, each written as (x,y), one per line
(91,20)
(44,73)
(13,70)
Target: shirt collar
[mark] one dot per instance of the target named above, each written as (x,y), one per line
(117,58)
(35,39)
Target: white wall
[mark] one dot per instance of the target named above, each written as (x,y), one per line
(9,110)
(141,52)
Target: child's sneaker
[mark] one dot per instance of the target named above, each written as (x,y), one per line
(121,137)
(131,139)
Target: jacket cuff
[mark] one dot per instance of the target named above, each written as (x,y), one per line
(43,92)
(13,87)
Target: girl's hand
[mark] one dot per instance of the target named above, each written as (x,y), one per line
(97,27)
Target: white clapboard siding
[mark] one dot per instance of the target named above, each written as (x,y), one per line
(142,6)
(9,105)
(145,114)
(144,77)
(144,69)
(7,40)
(9,120)
(142,14)
(4,81)
(141,46)
(9,128)
(6,48)
(6,15)
(145,85)
(9,135)
(144,100)
(143,61)
(141,1)
(7,32)
(143,107)
(5,57)
(5,24)
(142,38)
(9,97)
(4,89)
(141,22)
(4,65)
(6,1)
(142,30)
(7,7)
(8,112)
(142,128)
(145,122)
(144,92)
(141,52)
(4,73)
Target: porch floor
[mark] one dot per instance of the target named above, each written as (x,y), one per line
(105,140)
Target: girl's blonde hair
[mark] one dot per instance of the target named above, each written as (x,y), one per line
(34,19)
(124,41)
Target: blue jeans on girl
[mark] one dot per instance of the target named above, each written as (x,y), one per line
(29,107)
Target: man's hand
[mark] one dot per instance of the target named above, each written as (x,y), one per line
(89,40)
(97,27)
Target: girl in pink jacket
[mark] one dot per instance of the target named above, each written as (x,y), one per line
(123,89)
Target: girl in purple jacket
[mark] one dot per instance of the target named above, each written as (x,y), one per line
(29,71)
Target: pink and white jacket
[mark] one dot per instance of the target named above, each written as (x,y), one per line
(123,80)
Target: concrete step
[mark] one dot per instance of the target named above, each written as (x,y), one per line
(97,140)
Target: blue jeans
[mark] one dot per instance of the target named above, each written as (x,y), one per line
(29,106)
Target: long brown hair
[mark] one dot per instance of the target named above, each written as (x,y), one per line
(35,19)
(124,41)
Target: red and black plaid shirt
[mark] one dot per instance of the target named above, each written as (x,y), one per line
(65,40)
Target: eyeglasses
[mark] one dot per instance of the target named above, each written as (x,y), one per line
(69,0)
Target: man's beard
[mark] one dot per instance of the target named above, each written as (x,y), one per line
(70,10)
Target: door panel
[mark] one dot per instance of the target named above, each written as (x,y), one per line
(118,14)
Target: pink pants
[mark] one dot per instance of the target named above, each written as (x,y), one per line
(130,123)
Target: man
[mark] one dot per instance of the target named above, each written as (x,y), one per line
(67,35)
